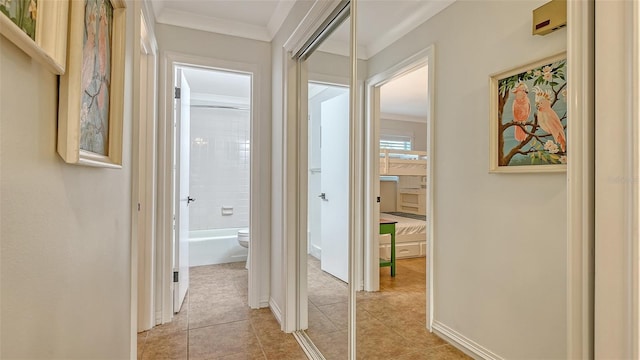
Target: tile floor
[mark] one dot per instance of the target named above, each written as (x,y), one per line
(390,323)
(216,323)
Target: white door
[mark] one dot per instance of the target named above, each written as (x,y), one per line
(181,173)
(335,186)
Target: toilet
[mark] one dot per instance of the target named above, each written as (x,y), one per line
(243,240)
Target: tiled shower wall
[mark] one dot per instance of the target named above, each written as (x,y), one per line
(219,168)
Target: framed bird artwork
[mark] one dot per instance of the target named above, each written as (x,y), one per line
(528,117)
(92,89)
(39,28)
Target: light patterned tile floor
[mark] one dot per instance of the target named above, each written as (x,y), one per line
(391,323)
(216,323)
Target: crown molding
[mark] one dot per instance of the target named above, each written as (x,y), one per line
(279,16)
(420,16)
(213,24)
(402,117)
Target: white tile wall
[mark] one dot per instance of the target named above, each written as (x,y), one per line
(219,169)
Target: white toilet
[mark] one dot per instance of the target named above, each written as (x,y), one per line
(243,240)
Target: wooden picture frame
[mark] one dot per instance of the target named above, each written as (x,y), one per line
(528,117)
(92,89)
(39,28)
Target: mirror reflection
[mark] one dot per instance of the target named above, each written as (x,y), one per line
(328,195)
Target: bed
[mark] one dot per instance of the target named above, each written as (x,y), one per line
(411,235)
(403,162)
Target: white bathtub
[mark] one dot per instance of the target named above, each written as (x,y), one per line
(215,246)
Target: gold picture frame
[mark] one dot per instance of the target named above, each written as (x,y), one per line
(528,117)
(92,89)
(39,28)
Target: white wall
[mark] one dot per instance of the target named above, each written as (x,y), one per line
(219,168)
(65,235)
(500,240)
(231,50)
(400,127)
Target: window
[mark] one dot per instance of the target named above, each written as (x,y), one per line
(395,142)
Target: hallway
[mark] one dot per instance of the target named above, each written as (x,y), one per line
(216,323)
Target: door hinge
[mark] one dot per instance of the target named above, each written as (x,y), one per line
(378,199)
(175,276)
(138,206)
(177,93)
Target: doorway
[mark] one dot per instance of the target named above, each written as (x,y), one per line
(215,182)
(399,172)
(212,108)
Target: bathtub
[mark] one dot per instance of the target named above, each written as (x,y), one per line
(215,246)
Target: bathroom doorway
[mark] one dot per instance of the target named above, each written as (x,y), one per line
(213,186)
(219,165)
(214,177)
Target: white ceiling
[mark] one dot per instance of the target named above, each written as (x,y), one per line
(405,98)
(380,23)
(213,87)
(253,19)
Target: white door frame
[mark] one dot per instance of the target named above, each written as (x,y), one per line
(258,215)
(580,180)
(143,177)
(423,58)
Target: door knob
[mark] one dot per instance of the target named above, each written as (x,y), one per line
(323,196)
(190,200)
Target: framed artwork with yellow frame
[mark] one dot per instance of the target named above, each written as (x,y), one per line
(39,28)
(92,89)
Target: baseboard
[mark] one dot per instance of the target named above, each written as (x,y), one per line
(275,309)
(263,303)
(464,344)
(315,251)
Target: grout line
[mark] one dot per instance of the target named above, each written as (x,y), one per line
(255,333)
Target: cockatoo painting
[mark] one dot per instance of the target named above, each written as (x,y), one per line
(548,119)
(96,76)
(521,109)
(532,114)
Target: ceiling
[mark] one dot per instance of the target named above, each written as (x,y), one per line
(380,23)
(213,87)
(405,98)
(253,19)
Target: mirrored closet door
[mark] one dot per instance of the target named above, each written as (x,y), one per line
(324,77)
